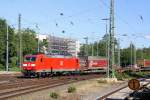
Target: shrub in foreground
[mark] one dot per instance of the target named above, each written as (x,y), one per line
(71,89)
(54,95)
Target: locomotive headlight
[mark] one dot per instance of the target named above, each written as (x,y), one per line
(32,65)
(24,64)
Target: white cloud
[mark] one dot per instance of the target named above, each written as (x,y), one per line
(147,36)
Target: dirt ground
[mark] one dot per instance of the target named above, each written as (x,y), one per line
(85,90)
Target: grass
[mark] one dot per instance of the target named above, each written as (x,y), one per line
(102,81)
(54,95)
(129,75)
(16,69)
(11,68)
(122,76)
(71,89)
(2,68)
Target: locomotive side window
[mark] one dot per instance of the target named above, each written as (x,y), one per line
(30,59)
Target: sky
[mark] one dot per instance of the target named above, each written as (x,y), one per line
(81,18)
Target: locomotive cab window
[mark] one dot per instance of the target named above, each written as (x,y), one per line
(30,59)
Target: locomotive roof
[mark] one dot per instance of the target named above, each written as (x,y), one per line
(92,57)
(51,56)
(30,55)
(58,56)
(96,57)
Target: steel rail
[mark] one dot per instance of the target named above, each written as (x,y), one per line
(18,92)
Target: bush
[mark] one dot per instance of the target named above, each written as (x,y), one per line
(2,68)
(16,69)
(13,62)
(124,75)
(102,81)
(54,95)
(71,89)
(119,76)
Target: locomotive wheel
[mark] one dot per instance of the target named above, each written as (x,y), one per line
(43,74)
(38,75)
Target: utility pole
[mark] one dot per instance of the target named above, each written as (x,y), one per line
(86,47)
(92,49)
(38,39)
(106,19)
(97,47)
(142,53)
(107,47)
(108,56)
(118,53)
(38,43)
(111,38)
(134,55)
(7,47)
(131,52)
(20,37)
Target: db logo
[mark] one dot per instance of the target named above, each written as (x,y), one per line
(61,63)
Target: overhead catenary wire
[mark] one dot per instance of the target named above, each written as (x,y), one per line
(120,18)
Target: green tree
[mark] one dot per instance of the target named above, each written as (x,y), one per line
(12,48)
(126,58)
(102,47)
(29,41)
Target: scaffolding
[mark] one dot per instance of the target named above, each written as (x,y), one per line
(62,46)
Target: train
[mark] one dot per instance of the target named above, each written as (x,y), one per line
(43,65)
(144,64)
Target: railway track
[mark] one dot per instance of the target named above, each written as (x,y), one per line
(17,84)
(6,93)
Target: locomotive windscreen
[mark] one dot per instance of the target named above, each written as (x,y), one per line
(30,59)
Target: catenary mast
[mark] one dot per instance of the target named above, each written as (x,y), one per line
(111,38)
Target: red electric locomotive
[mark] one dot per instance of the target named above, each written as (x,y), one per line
(40,64)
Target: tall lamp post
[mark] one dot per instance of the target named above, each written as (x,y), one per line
(107,40)
(7,47)
(38,39)
(20,39)
(86,46)
(131,44)
(118,47)
(118,52)
(142,55)
(97,46)
(107,46)
(134,49)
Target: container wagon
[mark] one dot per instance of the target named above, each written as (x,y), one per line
(144,63)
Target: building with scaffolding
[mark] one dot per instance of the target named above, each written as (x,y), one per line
(63,46)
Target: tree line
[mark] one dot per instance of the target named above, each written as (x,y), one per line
(127,55)
(29,44)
